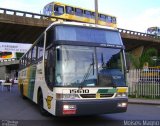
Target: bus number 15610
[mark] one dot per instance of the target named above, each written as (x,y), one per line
(74,91)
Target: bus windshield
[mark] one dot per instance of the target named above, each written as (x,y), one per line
(89,66)
(72,33)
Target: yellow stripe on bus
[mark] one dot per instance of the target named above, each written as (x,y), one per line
(121,90)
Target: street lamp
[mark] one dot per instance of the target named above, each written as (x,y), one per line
(96,11)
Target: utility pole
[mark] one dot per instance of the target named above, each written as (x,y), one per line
(96,11)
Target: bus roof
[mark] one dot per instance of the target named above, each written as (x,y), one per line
(155,27)
(81,24)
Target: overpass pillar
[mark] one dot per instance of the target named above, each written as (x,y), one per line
(138,51)
(2,72)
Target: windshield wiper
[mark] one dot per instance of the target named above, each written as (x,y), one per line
(87,74)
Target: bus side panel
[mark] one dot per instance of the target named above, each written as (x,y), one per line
(48,95)
(31,83)
(26,81)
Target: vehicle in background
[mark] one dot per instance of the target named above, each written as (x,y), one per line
(9,55)
(150,74)
(154,31)
(73,13)
(2,81)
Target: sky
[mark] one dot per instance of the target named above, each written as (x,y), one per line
(136,15)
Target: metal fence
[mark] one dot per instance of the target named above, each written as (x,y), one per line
(144,83)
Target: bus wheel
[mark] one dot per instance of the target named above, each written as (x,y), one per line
(40,104)
(22,92)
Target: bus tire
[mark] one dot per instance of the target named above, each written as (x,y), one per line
(22,92)
(40,104)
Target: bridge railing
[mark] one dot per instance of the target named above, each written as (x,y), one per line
(8,60)
(25,14)
(137,33)
(5,62)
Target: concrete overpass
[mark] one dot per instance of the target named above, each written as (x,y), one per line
(134,39)
(19,26)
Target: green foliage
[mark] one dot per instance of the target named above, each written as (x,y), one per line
(134,60)
(147,57)
(19,55)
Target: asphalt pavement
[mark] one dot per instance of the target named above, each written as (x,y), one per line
(14,110)
(144,101)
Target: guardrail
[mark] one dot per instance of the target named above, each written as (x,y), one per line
(26,14)
(5,62)
(137,33)
(8,60)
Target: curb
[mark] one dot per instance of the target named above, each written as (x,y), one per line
(143,101)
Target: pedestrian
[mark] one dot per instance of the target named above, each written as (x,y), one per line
(12,81)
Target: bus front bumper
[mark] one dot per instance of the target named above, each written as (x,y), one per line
(90,107)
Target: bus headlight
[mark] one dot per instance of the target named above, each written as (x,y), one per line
(124,94)
(67,96)
(123,104)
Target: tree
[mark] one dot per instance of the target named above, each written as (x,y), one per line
(133,61)
(147,57)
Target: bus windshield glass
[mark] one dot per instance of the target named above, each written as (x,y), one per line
(70,33)
(89,66)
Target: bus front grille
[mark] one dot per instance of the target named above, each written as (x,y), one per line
(94,95)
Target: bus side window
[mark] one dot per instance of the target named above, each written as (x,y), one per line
(109,19)
(93,15)
(79,12)
(34,53)
(40,45)
(102,17)
(114,20)
(20,64)
(29,58)
(58,10)
(49,38)
(158,31)
(26,59)
(69,10)
(23,63)
(87,14)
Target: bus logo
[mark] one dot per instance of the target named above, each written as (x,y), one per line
(48,100)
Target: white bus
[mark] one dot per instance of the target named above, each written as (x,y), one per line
(154,31)
(75,69)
